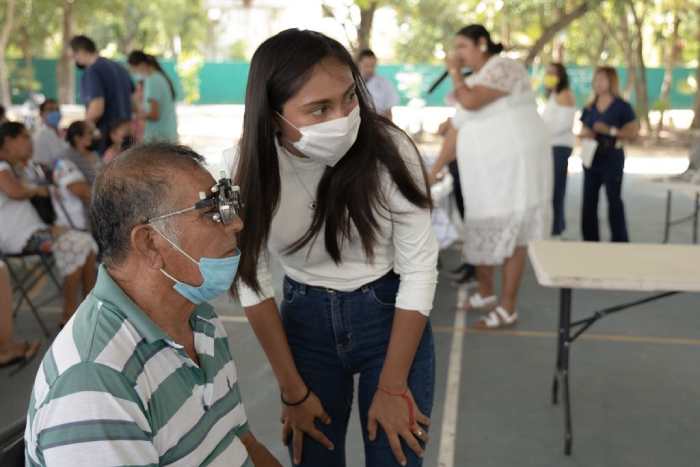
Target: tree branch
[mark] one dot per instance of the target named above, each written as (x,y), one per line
(560,24)
(4,39)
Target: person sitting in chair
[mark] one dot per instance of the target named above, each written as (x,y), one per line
(22,231)
(143,373)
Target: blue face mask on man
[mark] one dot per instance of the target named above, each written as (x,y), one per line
(53,118)
(218,275)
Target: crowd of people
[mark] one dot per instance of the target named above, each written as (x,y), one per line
(325,184)
(513,165)
(47,172)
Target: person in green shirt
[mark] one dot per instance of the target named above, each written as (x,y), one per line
(159,98)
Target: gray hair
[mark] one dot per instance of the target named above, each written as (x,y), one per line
(132,189)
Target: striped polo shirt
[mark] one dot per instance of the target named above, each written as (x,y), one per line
(114,389)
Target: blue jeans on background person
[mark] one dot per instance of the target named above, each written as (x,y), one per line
(561,167)
(335,335)
(607,169)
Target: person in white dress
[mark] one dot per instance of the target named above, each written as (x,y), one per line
(502,148)
(559,114)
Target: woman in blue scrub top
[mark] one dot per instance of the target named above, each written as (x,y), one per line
(610,120)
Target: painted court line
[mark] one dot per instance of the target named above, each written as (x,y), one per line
(460,328)
(589,337)
(448,433)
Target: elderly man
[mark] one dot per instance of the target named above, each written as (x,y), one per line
(143,373)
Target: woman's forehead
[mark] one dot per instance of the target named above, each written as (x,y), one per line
(329,79)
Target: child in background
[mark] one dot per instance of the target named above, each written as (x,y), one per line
(119,139)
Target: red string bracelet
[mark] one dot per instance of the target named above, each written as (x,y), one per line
(403,395)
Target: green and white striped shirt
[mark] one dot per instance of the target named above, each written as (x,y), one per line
(114,389)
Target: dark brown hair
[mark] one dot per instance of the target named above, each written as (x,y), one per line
(562,75)
(476,32)
(613,79)
(137,57)
(350,193)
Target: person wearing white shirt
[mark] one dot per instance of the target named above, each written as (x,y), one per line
(338,195)
(70,196)
(383,93)
(22,231)
(558,115)
(48,145)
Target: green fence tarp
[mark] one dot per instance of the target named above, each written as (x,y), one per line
(225,82)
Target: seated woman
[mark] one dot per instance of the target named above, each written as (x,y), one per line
(81,151)
(11,350)
(22,231)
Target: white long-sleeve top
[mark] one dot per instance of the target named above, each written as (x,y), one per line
(406,243)
(560,122)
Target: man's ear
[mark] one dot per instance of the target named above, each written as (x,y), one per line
(146,242)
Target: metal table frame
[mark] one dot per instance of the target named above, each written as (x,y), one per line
(682,220)
(566,338)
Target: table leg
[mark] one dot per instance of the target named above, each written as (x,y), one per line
(565,334)
(561,338)
(695,218)
(667,226)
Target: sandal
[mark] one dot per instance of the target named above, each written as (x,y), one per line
(27,353)
(478,303)
(497,319)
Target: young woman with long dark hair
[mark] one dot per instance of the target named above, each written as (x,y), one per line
(158,97)
(339,196)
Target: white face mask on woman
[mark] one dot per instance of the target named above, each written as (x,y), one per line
(329,141)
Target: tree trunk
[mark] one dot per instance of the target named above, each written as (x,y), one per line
(696,107)
(628,52)
(558,46)
(602,45)
(560,24)
(672,55)
(5,94)
(641,89)
(364,30)
(66,76)
(27,75)
(505,23)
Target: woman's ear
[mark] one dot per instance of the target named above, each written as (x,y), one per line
(147,242)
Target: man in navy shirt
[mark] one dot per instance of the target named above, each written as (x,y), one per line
(105,88)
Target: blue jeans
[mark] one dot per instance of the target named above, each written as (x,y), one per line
(335,335)
(561,165)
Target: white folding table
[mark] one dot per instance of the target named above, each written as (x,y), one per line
(663,269)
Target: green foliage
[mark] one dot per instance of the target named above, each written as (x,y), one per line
(116,26)
(238,50)
(188,68)
(428,26)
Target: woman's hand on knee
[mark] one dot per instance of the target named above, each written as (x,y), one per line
(399,417)
(298,420)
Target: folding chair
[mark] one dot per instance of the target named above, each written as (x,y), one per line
(12,444)
(26,278)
